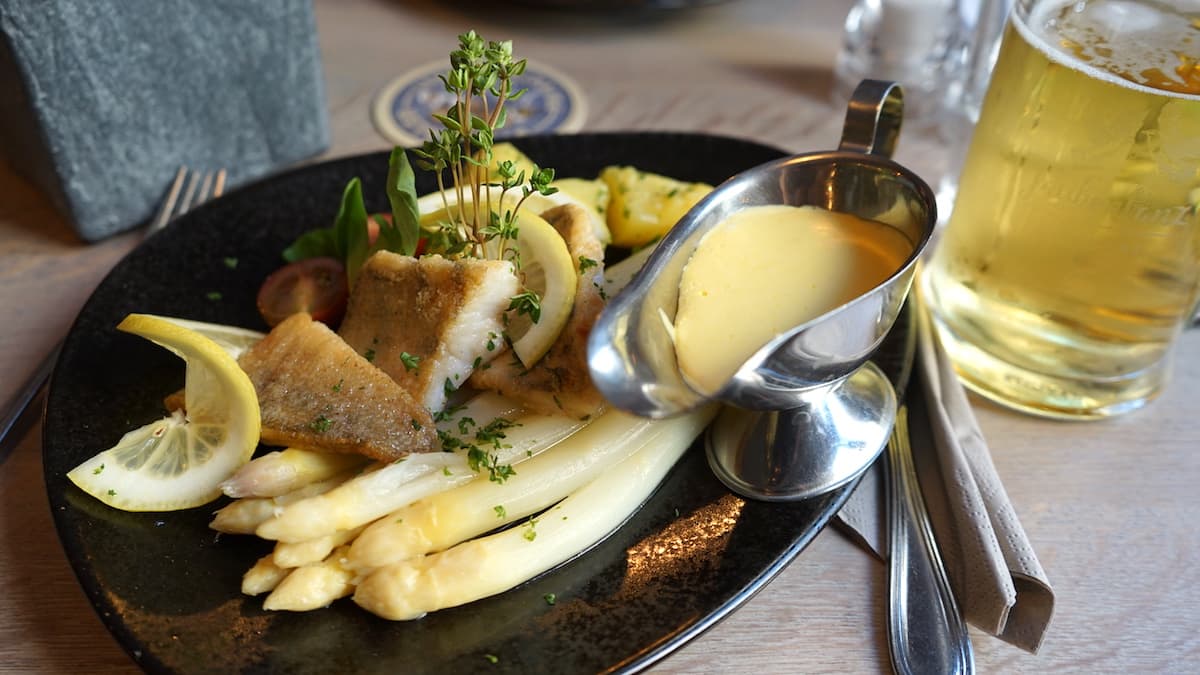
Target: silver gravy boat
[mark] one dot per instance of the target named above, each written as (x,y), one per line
(807,412)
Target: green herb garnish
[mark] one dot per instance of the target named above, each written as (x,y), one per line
(410,362)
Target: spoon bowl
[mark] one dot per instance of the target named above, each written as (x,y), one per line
(808,412)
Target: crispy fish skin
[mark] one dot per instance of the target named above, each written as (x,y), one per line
(559,383)
(316,392)
(443,316)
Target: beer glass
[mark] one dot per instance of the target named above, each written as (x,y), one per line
(1071,261)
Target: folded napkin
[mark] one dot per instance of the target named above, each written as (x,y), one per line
(998,583)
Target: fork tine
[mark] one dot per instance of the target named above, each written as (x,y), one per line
(186,205)
(189,189)
(164,213)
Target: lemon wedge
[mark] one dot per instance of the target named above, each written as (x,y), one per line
(547,270)
(178,462)
(235,340)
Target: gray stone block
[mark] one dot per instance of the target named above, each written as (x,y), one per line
(101,101)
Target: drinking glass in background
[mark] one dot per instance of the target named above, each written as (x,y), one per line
(912,42)
(942,52)
(1071,262)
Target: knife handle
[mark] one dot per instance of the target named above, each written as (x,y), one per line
(926,632)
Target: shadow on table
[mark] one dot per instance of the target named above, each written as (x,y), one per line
(42,596)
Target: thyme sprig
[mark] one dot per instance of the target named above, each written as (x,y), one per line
(481,78)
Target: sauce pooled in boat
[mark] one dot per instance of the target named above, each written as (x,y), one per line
(767,269)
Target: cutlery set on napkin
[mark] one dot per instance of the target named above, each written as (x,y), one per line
(997,581)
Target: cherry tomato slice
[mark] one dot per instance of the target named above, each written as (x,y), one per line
(316,285)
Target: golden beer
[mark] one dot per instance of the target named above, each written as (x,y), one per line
(1071,261)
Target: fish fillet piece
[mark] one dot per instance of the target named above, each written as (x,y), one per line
(428,321)
(559,383)
(316,392)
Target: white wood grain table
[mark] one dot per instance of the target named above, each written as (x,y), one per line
(1110,507)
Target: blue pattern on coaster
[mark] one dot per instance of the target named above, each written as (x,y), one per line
(552,104)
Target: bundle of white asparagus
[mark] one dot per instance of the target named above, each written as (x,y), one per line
(407,538)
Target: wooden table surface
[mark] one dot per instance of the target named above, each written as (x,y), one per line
(1110,507)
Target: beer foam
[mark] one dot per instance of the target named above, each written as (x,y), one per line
(1116,18)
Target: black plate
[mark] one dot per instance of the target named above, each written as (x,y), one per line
(168,587)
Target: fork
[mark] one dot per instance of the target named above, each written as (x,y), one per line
(188,190)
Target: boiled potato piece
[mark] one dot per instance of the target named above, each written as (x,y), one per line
(643,206)
(593,195)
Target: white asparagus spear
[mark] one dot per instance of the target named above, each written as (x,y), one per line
(313,586)
(493,564)
(243,516)
(302,553)
(264,576)
(448,518)
(366,498)
(280,472)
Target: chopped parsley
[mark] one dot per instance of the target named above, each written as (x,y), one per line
(500,511)
(586,263)
(410,362)
(96,471)
(231,262)
(370,355)
(338,387)
(320,424)
(550,598)
(416,425)
(478,458)
(492,658)
(213,295)
(443,415)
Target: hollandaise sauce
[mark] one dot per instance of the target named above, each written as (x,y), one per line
(767,269)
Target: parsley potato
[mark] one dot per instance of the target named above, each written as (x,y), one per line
(643,206)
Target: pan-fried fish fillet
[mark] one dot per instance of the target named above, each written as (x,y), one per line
(428,321)
(559,382)
(316,392)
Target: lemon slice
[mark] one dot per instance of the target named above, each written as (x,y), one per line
(178,462)
(433,203)
(547,270)
(591,195)
(235,340)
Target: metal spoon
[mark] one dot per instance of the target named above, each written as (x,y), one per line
(808,412)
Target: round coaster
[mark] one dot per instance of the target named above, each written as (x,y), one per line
(403,110)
